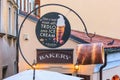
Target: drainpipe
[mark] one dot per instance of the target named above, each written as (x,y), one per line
(17,51)
(101,68)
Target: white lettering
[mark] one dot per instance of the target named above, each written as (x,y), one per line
(54,56)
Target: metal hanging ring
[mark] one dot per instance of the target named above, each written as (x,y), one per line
(41,7)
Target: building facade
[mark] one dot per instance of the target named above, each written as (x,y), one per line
(26,5)
(8,24)
(111,70)
(32,49)
(29,5)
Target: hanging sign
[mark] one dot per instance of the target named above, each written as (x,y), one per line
(53,30)
(59,56)
(90,53)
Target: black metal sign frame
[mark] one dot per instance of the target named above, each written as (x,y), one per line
(85,28)
(19,46)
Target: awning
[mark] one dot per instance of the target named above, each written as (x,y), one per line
(41,75)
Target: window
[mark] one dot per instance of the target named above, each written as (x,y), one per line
(27,5)
(9,21)
(4,71)
(20,4)
(14,23)
(1,20)
(24,5)
(30,6)
(37,12)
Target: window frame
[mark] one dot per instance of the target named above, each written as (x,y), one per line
(10,19)
(2,32)
(1,18)
(4,71)
(15,23)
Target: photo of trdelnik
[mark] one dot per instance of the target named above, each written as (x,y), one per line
(59,40)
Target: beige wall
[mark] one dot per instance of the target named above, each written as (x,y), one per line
(8,56)
(7,46)
(100,16)
(108,74)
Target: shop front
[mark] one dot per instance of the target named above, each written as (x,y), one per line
(52,44)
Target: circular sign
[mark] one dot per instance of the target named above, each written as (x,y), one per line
(53,30)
